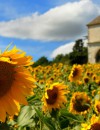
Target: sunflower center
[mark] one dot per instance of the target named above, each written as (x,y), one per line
(98,108)
(52,95)
(95,126)
(75,72)
(80,105)
(6,77)
(86,80)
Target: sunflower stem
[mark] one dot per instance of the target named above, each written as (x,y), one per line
(40,125)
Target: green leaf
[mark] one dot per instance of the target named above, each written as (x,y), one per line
(8,46)
(70,116)
(64,122)
(0,51)
(77,127)
(25,115)
(4,126)
(46,120)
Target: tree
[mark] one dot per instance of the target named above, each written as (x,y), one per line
(79,54)
(61,58)
(58,58)
(41,61)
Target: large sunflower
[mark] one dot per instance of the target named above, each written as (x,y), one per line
(15,81)
(54,97)
(76,72)
(80,103)
(93,124)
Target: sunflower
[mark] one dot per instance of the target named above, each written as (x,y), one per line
(97,106)
(80,103)
(76,72)
(86,79)
(98,81)
(79,82)
(54,97)
(16,82)
(88,73)
(94,92)
(93,124)
(94,77)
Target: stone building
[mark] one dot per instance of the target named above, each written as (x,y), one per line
(94,40)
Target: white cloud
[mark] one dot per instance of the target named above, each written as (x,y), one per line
(65,49)
(60,23)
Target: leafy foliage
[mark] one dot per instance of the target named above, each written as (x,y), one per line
(79,54)
(61,59)
(41,61)
(32,117)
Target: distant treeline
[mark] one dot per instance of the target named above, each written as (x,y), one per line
(79,55)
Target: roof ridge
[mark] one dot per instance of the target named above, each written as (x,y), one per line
(95,21)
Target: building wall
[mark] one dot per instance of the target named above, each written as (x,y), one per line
(93,48)
(94,33)
(93,42)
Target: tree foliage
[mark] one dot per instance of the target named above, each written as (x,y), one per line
(79,54)
(61,58)
(41,61)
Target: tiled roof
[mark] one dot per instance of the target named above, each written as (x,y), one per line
(96,21)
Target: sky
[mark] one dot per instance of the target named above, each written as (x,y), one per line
(45,27)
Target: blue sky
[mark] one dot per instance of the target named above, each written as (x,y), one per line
(45,27)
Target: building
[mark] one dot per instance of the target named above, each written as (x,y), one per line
(94,40)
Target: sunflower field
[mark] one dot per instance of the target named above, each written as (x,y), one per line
(53,97)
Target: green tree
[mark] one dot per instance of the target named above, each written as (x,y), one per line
(58,58)
(79,54)
(41,61)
